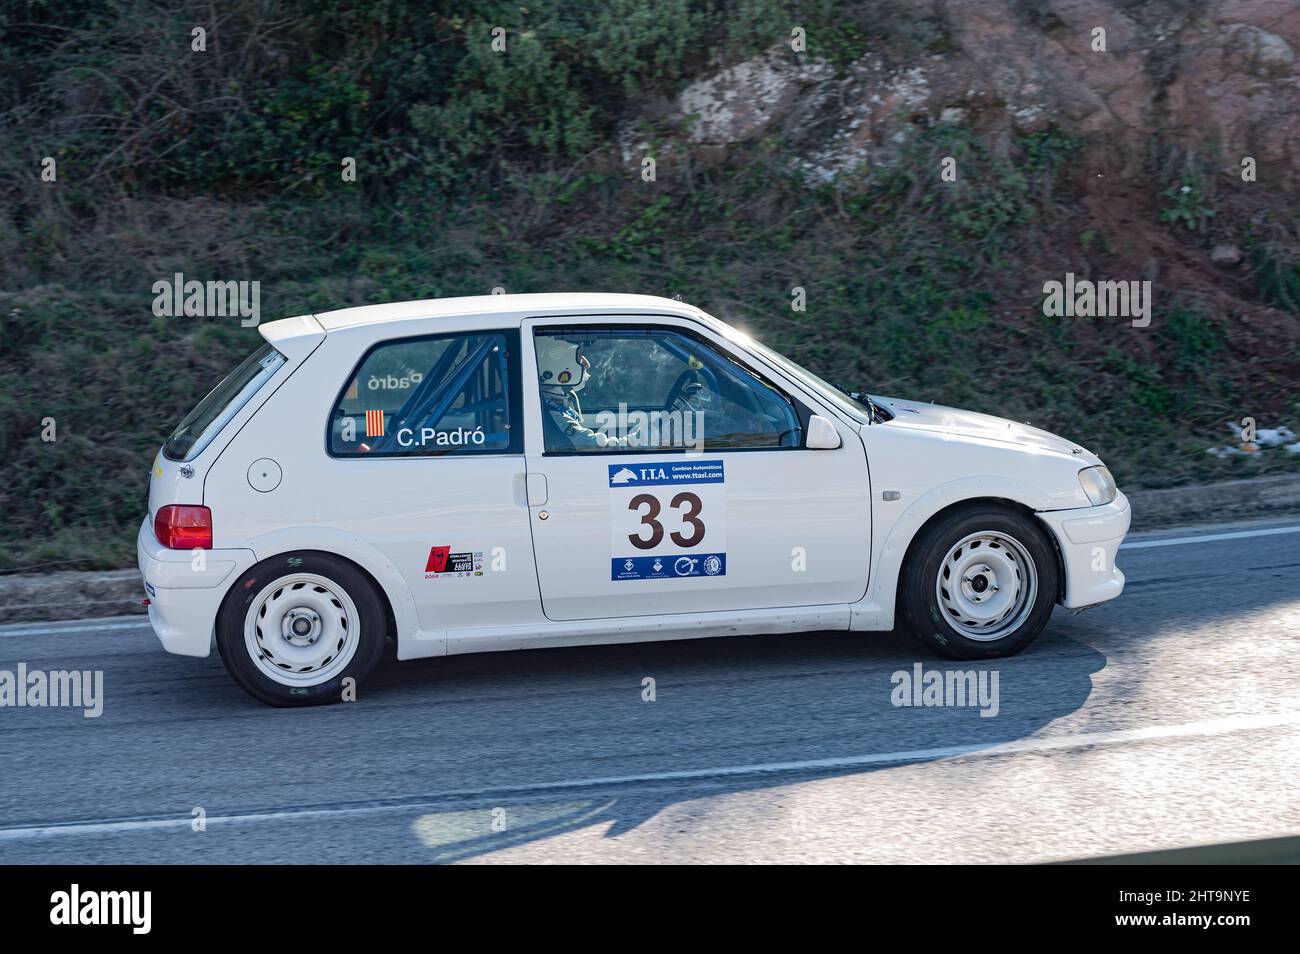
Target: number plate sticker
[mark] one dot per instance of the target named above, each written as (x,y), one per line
(667,520)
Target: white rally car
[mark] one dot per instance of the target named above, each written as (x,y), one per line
(510,472)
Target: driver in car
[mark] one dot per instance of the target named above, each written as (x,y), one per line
(562,372)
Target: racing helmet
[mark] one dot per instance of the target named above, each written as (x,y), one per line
(561,365)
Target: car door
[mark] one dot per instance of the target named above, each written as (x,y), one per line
(675,478)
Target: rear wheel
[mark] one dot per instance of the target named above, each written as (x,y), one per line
(979,582)
(296,626)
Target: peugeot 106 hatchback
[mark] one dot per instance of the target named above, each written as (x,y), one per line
(511,472)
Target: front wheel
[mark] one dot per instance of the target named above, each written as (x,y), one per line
(296,626)
(980,582)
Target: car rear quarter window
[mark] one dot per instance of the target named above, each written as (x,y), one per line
(430,396)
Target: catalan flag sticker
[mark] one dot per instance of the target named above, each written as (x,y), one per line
(374,423)
(352,391)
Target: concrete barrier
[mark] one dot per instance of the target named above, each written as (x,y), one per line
(70,595)
(1213,503)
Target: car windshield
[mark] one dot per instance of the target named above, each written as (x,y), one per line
(222,403)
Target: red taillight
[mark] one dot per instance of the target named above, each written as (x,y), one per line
(183,527)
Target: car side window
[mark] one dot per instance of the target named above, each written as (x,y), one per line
(606,390)
(415,397)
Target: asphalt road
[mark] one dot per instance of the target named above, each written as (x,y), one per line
(1167,718)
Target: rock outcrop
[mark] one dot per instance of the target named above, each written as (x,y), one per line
(1216,79)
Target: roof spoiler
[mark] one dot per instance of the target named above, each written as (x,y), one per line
(295,338)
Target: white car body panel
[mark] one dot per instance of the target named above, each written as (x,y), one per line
(1088,541)
(642,629)
(934,457)
(552,585)
(384,513)
(779,503)
(185,591)
(296,339)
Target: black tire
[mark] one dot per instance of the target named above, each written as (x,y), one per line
(371,614)
(919,602)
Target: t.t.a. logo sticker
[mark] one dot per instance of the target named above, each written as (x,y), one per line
(668,520)
(674,472)
(443,563)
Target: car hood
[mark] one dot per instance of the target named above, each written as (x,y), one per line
(956,422)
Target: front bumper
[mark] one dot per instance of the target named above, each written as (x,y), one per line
(1088,539)
(185,590)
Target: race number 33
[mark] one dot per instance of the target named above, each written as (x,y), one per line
(690,506)
(667,520)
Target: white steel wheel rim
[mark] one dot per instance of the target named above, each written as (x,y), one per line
(987,585)
(302,630)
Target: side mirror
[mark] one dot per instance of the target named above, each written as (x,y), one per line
(822,434)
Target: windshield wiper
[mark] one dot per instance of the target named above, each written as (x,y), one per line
(863,398)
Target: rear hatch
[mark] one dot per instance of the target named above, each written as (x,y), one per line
(177,477)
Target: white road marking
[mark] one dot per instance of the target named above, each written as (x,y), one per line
(1206,728)
(1208,538)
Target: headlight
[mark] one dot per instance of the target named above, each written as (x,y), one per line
(1098,484)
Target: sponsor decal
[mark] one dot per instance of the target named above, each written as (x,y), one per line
(391,382)
(669,567)
(663,515)
(672,472)
(374,423)
(432,437)
(443,562)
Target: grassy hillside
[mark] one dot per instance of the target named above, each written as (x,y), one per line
(477,169)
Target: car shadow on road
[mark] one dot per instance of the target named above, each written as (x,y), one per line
(549,742)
